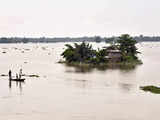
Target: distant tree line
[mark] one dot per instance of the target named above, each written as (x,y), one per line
(97,39)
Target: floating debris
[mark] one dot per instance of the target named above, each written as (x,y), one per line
(81,80)
(3,75)
(43,48)
(151,88)
(15,48)
(5,48)
(4,52)
(33,76)
(27,49)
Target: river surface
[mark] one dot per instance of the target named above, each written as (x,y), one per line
(66,93)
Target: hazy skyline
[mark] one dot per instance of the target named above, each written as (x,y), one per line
(61,18)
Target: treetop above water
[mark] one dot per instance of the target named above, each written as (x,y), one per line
(121,52)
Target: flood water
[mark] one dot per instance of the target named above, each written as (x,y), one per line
(66,93)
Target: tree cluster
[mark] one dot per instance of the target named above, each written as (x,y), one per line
(84,52)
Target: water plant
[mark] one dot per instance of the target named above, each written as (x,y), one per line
(151,88)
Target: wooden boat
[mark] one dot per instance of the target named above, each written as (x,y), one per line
(19,80)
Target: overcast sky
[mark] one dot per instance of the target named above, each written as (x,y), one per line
(75,18)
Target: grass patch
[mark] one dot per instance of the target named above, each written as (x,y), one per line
(33,76)
(3,75)
(151,88)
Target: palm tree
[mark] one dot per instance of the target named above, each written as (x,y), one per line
(79,53)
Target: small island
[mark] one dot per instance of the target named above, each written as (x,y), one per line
(151,88)
(121,53)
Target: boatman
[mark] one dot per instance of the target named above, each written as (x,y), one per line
(20,73)
(16,76)
(10,75)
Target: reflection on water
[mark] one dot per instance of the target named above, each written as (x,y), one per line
(78,83)
(17,84)
(81,83)
(125,87)
(84,69)
(78,69)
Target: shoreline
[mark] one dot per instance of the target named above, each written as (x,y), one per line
(108,65)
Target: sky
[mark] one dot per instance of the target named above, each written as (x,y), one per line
(78,18)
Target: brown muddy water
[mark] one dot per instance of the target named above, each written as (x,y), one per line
(65,93)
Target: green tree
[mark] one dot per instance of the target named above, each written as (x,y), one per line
(78,53)
(127,45)
(68,53)
(97,39)
(25,40)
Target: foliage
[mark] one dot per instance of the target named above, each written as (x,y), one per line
(97,39)
(99,57)
(79,53)
(152,89)
(109,40)
(127,45)
(84,53)
(25,40)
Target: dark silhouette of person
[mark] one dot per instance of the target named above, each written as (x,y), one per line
(16,76)
(10,74)
(20,73)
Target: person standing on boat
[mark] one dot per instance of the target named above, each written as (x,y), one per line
(20,73)
(10,74)
(16,76)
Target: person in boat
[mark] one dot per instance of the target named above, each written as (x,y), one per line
(16,76)
(10,74)
(20,73)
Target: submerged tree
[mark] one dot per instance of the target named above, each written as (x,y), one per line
(84,53)
(123,50)
(79,53)
(127,45)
